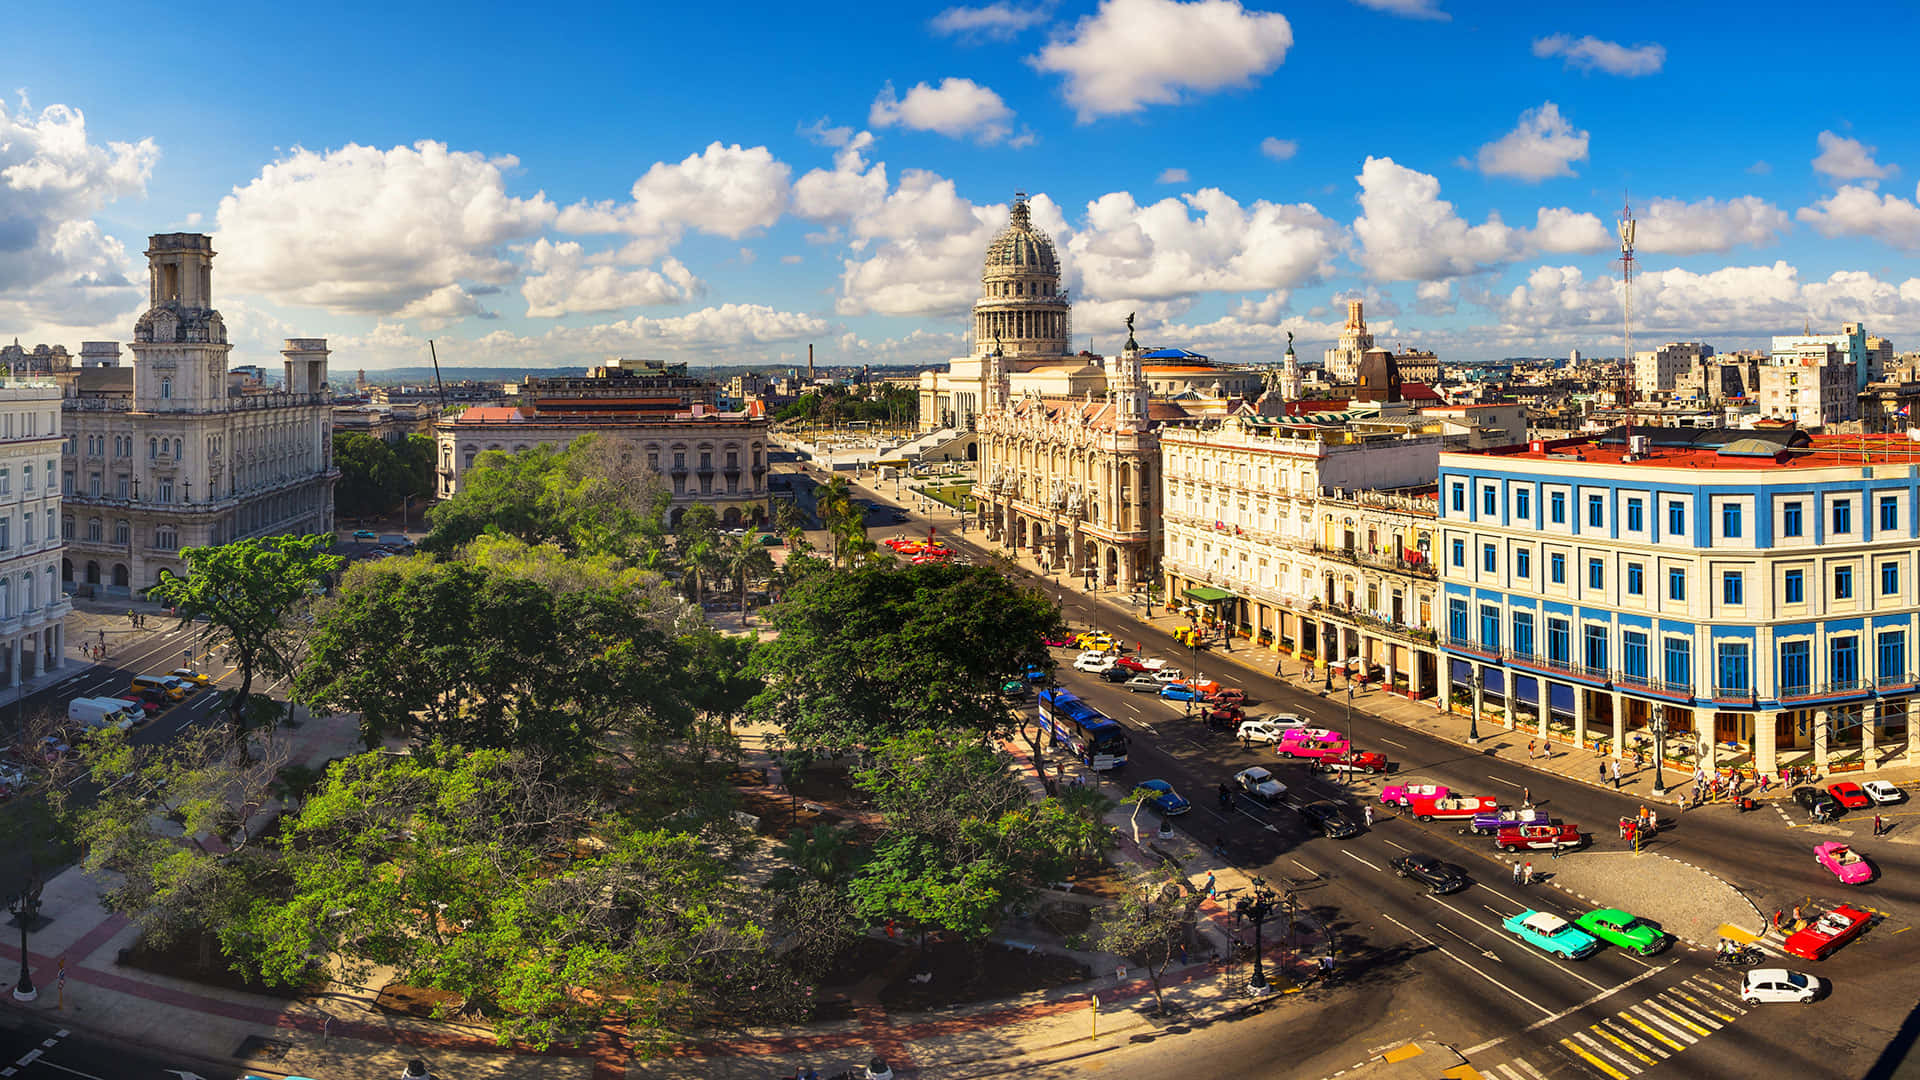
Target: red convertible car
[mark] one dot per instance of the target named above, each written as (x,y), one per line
(1459,808)
(1539,837)
(1356,761)
(1828,932)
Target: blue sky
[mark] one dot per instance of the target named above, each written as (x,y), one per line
(728,184)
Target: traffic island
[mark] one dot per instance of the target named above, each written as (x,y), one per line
(1687,902)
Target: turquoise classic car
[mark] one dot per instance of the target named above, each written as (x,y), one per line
(1551,933)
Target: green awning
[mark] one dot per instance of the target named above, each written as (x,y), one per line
(1207,594)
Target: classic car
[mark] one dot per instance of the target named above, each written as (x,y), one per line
(1441,877)
(1095,662)
(1259,731)
(1827,933)
(1488,824)
(1260,784)
(1167,674)
(1057,639)
(1404,794)
(1353,761)
(1454,808)
(1143,684)
(1163,798)
(1625,930)
(1812,800)
(1848,794)
(1559,837)
(1095,639)
(1178,691)
(1333,820)
(1882,792)
(1313,743)
(1551,933)
(1116,673)
(1848,865)
(1228,695)
(1132,663)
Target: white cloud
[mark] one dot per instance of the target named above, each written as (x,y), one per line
(1408,233)
(443,305)
(723,191)
(1203,242)
(991,22)
(1560,230)
(564,279)
(1171,176)
(372,231)
(1543,145)
(1279,149)
(1745,300)
(1412,9)
(1858,211)
(56,264)
(957,108)
(1673,227)
(1135,53)
(1593,54)
(846,190)
(1434,298)
(1759,168)
(1842,158)
(793,260)
(918,250)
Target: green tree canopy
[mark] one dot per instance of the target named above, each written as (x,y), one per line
(375,475)
(590,498)
(883,649)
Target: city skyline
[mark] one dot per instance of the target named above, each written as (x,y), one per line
(1231,173)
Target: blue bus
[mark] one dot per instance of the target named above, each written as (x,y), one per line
(1096,739)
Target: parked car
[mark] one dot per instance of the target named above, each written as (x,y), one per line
(188,675)
(1228,695)
(1453,808)
(1164,798)
(1884,793)
(1333,820)
(1035,673)
(1115,674)
(1225,717)
(1404,794)
(1441,877)
(1488,824)
(1175,691)
(1624,930)
(365,534)
(1260,784)
(1550,933)
(1057,639)
(1313,743)
(1763,986)
(1168,675)
(1848,794)
(1095,639)
(1353,761)
(1132,663)
(1143,684)
(1848,865)
(1560,837)
(1814,801)
(1259,731)
(1015,689)
(1095,662)
(1827,933)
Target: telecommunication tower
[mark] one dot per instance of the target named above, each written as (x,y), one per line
(1626,297)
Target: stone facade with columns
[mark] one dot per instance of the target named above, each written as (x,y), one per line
(174,450)
(33,610)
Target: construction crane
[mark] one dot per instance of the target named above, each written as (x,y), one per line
(436,375)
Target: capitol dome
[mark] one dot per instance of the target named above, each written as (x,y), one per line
(1022,310)
(1021,247)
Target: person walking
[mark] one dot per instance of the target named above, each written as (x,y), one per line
(1530,749)
(1526,797)
(1614,765)
(1633,833)
(1516,873)
(1366,812)
(1603,770)
(1878,826)
(1526,874)
(1211,887)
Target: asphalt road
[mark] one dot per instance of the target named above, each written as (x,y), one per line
(33,1050)
(1412,964)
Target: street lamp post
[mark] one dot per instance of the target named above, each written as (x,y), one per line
(1473,708)
(24,908)
(1326,661)
(1349,722)
(1256,908)
(1659,747)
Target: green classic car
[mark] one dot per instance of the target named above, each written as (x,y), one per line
(1625,930)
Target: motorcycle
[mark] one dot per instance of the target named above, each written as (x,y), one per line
(1745,956)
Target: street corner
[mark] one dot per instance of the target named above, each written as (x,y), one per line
(1686,901)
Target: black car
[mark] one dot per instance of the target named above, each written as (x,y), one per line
(1815,801)
(1332,819)
(1116,673)
(1441,877)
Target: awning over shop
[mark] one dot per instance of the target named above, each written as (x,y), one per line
(1207,594)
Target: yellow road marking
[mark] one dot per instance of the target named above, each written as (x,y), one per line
(1676,1017)
(1620,1042)
(1705,1007)
(1651,1030)
(1594,1061)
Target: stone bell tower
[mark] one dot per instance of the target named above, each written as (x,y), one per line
(1129,385)
(180,344)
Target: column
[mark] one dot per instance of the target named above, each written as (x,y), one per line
(1821,719)
(14,668)
(60,644)
(1414,682)
(1512,697)
(1443,697)
(1765,727)
(1541,704)
(1869,716)
(1579,714)
(1386,669)
(1619,723)
(1479,694)
(1913,731)
(1703,740)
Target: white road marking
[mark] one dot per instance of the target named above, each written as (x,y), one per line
(76,1072)
(1564,1013)
(1305,867)
(1448,953)
(1390,843)
(1549,957)
(1504,780)
(1356,858)
(1390,742)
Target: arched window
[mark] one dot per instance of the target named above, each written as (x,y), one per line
(94,530)
(176,449)
(166,387)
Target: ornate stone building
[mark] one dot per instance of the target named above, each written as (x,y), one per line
(1343,359)
(175,451)
(32,608)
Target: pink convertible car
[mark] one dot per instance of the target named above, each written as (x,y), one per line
(1404,794)
(1848,865)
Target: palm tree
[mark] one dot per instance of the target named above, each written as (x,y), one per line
(826,854)
(744,559)
(833,501)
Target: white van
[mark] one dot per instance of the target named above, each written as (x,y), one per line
(98,713)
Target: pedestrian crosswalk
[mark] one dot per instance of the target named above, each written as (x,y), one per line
(1638,1037)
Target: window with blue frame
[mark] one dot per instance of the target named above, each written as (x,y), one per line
(1488,501)
(1595,640)
(1523,564)
(1489,558)
(1522,501)
(1892,659)
(1843,583)
(1793,587)
(1557,507)
(1730,521)
(1557,565)
(1635,582)
(1677,584)
(1889,579)
(1523,633)
(1733,587)
(1490,626)
(1459,498)
(1636,515)
(1459,552)
(1791,522)
(1679,661)
(1796,668)
(1843,661)
(1596,574)
(1457,619)
(1842,517)
(1889,513)
(1559,642)
(1596,511)
(1633,654)
(1676,519)
(1731,667)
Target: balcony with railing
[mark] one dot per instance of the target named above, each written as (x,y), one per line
(1835,690)
(1646,684)
(1470,647)
(1733,695)
(1379,560)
